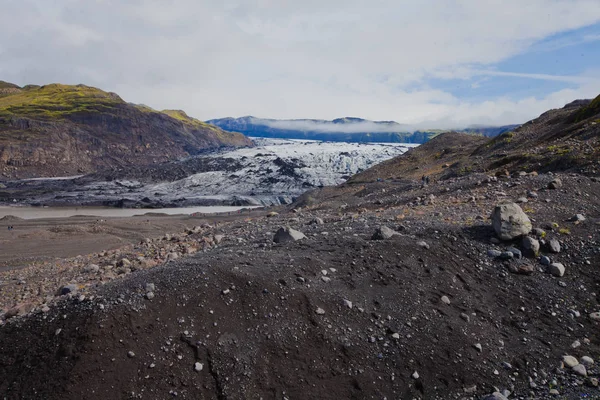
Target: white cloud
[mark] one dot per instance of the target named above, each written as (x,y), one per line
(291,59)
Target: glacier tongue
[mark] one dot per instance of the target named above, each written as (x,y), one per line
(278,170)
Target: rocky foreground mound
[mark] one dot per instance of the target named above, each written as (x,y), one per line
(58,130)
(399,291)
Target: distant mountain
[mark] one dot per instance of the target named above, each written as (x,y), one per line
(347,129)
(58,129)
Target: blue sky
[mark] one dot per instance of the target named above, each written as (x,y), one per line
(574,53)
(427,63)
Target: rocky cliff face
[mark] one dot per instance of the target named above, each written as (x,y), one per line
(58,130)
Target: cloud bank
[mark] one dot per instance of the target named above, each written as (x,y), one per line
(380,60)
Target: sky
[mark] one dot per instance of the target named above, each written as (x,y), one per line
(425,63)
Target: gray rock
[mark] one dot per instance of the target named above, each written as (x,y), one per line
(580,369)
(545,260)
(509,221)
(70,288)
(124,262)
(507,255)
(319,311)
(570,361)
(383,233)
(587,361)
(91,268)
(317,221)
(557,269)
(494,253)
(423,244)
(150,295)
(495,396)
(578,218)
(554,246)
(287,234)
(555,184)
(531,246)
(516,252)
(539,232)
(150,287)
(218,238)
(445,300)
(595,316)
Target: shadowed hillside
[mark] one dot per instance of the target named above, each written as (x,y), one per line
(58,129)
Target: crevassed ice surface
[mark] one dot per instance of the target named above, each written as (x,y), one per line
(285,167)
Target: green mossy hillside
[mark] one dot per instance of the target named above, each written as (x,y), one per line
(57,101)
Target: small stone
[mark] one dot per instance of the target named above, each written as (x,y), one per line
(320,311)
(423,244)
(516,252)
(531,246)
(587,361)
(554,392)
(465,317)
(575,344)
(578,218)
(595,316)
(415,375)
(494,253)
(478,347)
(198,367)
(130,354)
(150,295)
(555,184)
(150,287)
(383,233)
(580,369)
(593,382)
(287,234)
(218,238)
(554,246)
(445,300)
(347,303)
(70,288)
(557,269)
(545,260)
(495,396)
(395,335)
(91,268)
(570,361)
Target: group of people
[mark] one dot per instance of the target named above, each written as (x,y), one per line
(10,227)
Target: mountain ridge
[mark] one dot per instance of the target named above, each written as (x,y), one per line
(57,129)
(343,129)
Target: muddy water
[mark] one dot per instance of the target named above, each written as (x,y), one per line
(65,212)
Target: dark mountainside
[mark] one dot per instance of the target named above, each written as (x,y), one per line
(340,130)
(481,285)
(58,130)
